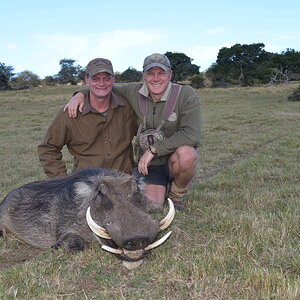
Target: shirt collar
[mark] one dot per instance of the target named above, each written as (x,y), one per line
(115,101)
(145,92)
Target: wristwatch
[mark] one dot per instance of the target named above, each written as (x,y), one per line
(152,150)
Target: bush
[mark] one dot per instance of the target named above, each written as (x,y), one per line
(25,80)
(295,96)
(198,81)
(50,81)
(131,75)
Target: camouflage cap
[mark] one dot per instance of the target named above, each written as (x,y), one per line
(156,60)
(99,65)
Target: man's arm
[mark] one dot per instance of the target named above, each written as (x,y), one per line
(49,150)
(77,101)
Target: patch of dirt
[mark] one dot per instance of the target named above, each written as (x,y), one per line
(202,176)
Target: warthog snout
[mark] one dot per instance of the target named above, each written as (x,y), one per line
(137,241)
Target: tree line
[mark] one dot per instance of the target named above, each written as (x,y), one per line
(244,65)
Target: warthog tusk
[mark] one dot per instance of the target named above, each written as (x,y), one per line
(158,242)
(167,220)
(112,250)
(98,230)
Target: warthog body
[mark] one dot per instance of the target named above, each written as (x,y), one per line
(52,213)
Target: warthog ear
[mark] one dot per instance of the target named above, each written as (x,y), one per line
(82,189)
(125,183)
(105,187)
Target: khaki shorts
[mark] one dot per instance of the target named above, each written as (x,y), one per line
(157,175)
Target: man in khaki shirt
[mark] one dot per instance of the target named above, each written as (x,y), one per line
(101,135)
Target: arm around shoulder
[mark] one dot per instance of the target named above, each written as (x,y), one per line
(76,102)
(84,91)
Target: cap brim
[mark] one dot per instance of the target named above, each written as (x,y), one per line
(164,67)
(102,71)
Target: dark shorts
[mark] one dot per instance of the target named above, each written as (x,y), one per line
(158,175)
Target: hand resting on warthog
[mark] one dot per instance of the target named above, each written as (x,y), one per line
(93,204)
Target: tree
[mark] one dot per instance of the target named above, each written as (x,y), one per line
(279,76)
(117,76)
(182,66)
(290,59)
(81,73)
(25,79)
(285,66)
(69,73)
(280,68)
(5,76)
(131,75)
(240,62)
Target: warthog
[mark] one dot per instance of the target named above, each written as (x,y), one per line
(93,204)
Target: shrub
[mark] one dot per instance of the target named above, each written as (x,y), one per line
(197,81)
(50,81)
(295,96)
(25,80)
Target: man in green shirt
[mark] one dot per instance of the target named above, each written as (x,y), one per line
(102,133)
(172,158)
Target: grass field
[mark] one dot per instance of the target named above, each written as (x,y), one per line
(238,237)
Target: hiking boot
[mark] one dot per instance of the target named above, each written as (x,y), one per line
(176,194)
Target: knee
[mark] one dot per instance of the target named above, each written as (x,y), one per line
(186,156)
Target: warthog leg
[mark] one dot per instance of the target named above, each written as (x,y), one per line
(71,242)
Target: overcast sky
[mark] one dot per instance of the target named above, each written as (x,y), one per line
(37,34)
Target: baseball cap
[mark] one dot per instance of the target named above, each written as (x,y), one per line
(156,60)
(99,65)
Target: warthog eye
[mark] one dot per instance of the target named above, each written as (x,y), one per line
(100,194)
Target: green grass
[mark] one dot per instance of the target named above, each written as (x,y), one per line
(238,237)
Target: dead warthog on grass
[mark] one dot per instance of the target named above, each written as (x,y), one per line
(93,204)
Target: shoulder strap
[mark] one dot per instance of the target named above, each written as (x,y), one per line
(142,101)
(171,101)
(170,104)
(142,104)
(168,108)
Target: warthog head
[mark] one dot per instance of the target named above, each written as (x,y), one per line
(137,246)
(119,219)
